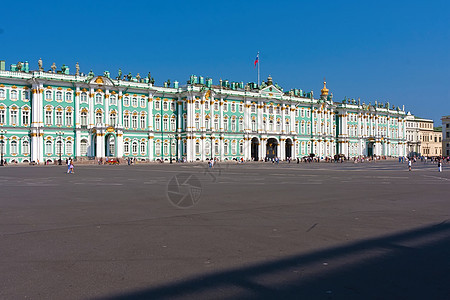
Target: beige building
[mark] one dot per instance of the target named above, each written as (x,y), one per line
(446,135)
(422,137)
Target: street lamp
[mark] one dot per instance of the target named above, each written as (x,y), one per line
(171,136)
(60,134)
(211,147)
(2,143)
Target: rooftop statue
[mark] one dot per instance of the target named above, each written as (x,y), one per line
(120,74)
(138,77)
(53,67)
(19,66)
(152,81)
(77,69)
(129,76)
(40,65)
(149,76)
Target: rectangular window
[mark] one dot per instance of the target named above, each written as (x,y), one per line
(134,122)
(14,117)
(59,118)
(126,121)
(68,118)
(2,117)
(25,117)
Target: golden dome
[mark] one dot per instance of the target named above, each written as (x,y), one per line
(324,90)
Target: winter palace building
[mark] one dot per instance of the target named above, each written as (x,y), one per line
(47,113)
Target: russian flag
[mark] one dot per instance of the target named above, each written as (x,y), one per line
(257,59)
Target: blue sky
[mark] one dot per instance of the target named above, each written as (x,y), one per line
(396,51)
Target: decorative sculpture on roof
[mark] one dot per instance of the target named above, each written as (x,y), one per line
(129,76)
(77,69)
(152,81)
(19,66)
(53,67)
(40,65)
(120,74)
(138,77)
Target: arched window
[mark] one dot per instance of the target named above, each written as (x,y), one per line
(69,97)
(157,148)
(197,105)
(83,118)
(98,98)
(216,124)
(207,105)
(13,95)
(233,107)
(207,148)
(112,119)
(278,126)
(112,100)
(2,93)
(25,147)
(68,118)
(241,124)
(126,120)
(271,125)
(166,148)
(197,124)
(241,148)
(253,125)
(197,148)
(48,95)
(69,147)
(126,101)
(59,118)
(143,122)
(14,148)
(59,147)
(135,147)
(172,124)
(126,147)
(142,148)
(216,106)
(225,124)
(134,102)
(83,147)
(58,96)
(48,117)
(157,105)
(143,101)
(225,148)
(233,124)
(98,118)
(84,97)
(134,122)
(216,148)
(48,147)
(25,95)
(165,105)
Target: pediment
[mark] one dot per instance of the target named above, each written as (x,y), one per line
(271,91)
(101,80)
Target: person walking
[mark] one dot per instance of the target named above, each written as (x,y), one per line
(439,166)
(71,170)
(409,164)
(68,165)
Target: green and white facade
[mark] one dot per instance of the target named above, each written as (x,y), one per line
(87,116)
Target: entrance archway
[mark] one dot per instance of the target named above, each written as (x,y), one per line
(255,148)
(370,149)
(110,145)
(288,148)
(271,147)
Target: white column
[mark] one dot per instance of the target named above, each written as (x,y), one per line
(91,108)
(119,142)
(119,107)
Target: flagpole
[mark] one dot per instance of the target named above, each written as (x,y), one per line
(258,68)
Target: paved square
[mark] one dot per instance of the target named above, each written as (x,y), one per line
(257,230)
